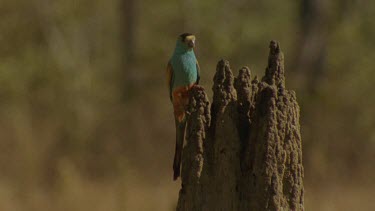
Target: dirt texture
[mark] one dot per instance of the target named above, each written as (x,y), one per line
(244,151)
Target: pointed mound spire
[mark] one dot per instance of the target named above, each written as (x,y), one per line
(223,88)
(275,68)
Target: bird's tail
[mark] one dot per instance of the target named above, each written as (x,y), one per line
(180,136)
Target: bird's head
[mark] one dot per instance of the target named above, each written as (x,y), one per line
(188,40)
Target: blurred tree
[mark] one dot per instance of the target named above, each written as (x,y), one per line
(312,42)
(186,8)
(130,15)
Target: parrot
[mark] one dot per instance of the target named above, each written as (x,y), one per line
(182,75)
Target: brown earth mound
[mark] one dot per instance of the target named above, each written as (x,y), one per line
(244,152)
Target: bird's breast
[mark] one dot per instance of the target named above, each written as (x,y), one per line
(185,70)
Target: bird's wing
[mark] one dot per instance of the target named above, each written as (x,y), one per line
(198,73)
(170,79)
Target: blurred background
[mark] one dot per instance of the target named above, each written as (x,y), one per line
(85,118)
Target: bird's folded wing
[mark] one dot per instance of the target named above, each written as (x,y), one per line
(198,73)
(170,79)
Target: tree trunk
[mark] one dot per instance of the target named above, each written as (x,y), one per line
(130,15)
(311,53)
(129,35)
(243,153)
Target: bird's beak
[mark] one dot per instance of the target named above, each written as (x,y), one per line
(191,43)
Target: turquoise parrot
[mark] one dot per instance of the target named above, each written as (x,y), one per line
(182,75)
